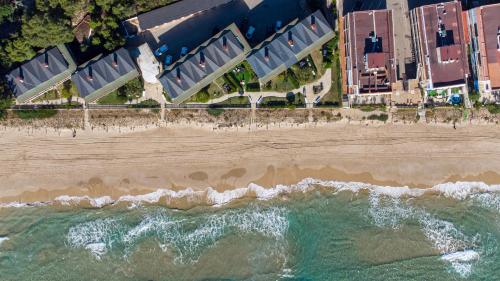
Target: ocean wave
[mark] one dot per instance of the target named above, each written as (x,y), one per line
(186,238)
(462,261)
(445,237)
(3,239)
(210,196)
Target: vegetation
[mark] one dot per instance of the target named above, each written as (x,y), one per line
(370,107)
(291,101)
(493,108)
(35,113)
(44,23)
(380,117)
(215,111)
(239,101)
(128,92)
(112,98)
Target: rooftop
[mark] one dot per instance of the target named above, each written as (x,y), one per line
(203,65)
(489,16)
(289,45)
(101,76)
(40,73)
(176,11)
(370,49)
(442,35)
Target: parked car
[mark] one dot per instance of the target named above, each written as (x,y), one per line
(184,51)
(278,26)
(250,32)
(317,99)
(160,51)
(168,60)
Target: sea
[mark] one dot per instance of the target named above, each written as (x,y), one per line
(312,230)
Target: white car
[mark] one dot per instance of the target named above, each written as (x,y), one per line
(250,32)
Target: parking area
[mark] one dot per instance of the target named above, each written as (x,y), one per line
(192,31)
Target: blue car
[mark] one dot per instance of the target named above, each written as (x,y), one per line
(160,51)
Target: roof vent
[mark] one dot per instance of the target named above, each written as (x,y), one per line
(179,78)
(46,60)
(20,77)
(266,53)
(290,39)
(89,75)
(115,60)
(313,22)
(224,44)
(202,59)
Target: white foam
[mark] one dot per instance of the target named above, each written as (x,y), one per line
(457,190)
(3,239)
(462,261)
(98,250)
(96,236)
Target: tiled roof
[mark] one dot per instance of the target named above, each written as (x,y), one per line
(370,51)
(290,45)
(40,73)
(441,33)
(101,76)
(176,11)
(209,61)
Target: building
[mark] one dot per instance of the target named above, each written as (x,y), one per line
(177,11)
(290,45)
(103,75)
(439,40)
(41,74)
(202,66)
(484,33)
(368,53)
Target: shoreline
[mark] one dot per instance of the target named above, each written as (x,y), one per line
(42,166)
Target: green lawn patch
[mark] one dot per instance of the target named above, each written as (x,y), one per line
(215,111)
(493,108)
(370,107)
(113,98)
(35,113)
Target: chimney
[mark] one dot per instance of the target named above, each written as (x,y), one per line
(89,75)
(179,78)
(224,44)
(115,60)
(266,53)
(20,77)
(202,59)
(46,60)
(313,22)
(290,38)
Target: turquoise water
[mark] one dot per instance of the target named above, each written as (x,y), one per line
(321,234)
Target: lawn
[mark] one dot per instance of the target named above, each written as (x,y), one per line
(305,71)
(291,101)
(113,98)
(284,82)
(240,101)
(334,96)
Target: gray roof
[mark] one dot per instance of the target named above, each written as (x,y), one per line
(41,73)
(205,64)
(175,11)
(281,54)
(101,76)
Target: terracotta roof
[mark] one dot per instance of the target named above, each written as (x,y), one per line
(441,29)
(370,44)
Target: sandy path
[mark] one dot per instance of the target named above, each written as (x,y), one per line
(113,164)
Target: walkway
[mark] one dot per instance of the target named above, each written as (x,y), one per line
(326,79)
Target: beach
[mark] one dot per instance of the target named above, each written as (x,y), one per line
(39,165)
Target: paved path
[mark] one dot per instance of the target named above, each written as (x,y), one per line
(326,79)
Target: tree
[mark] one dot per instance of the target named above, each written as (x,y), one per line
(19,50)
(131,90)
(6,11)
(43,31)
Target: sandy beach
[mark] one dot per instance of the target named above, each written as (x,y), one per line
(40,165)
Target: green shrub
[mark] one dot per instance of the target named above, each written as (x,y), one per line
(380,117)
(493,108)
(35,113)
(215,111)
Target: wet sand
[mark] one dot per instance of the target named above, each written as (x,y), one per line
(41,166)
